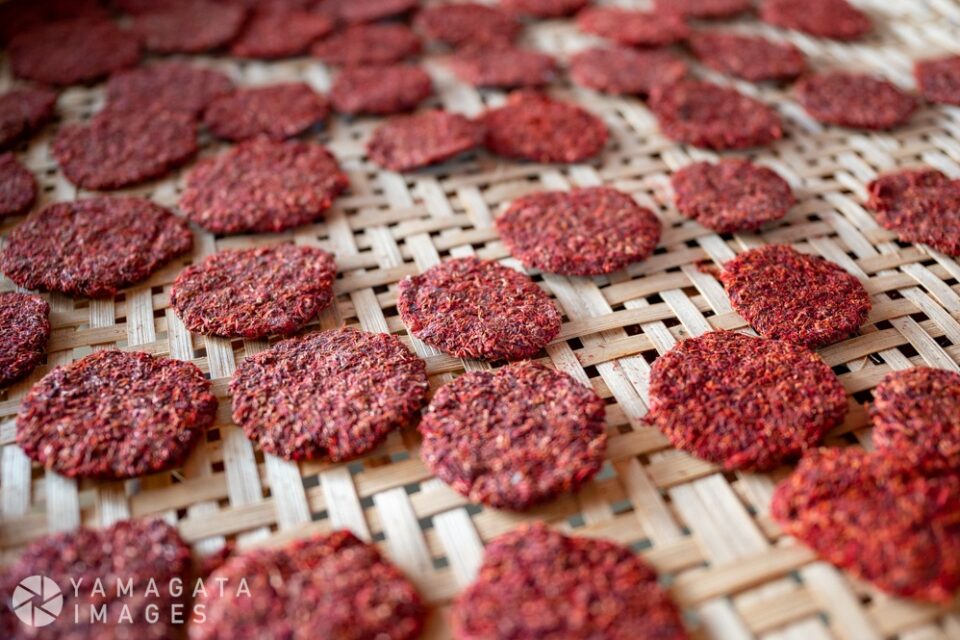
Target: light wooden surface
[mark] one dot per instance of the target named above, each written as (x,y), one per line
(708,532)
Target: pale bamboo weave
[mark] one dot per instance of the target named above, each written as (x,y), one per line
(708,532)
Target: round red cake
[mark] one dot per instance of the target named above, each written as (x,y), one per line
(544,8)
(626,71)
(749,57)
(582,232)
(467,23)
(409,142)
(916,412)
(277,111)
(26,329)
(374,44)
(18,187)
(189,27)
(23,111)
(836,19)
(536,583)
(360,11)
(514,437)
(505,67)
(731,195)
(920,205)
(254,293)
(334,394)
(138,7)
(714,117)
(115,414)
(263,185)
(880,516)
(704,9)
(474,308)
(20,16)
(94,570)
(380,90)
(72,51)
(166,86)
(855,100)
(787,295)
(279,5)
(536,127)
(938,79)
(280,33)
(93,247)
(121,148)
(633,28)
(332,586)
(744,402)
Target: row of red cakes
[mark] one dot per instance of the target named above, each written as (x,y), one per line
(510,438)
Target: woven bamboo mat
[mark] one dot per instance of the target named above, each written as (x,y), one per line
(707,532)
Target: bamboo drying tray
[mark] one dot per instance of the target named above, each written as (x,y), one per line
(707,531)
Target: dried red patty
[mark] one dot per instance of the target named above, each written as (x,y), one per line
(514,437)
(118,149)
(134,556)
(380,90)
(170,86)
(254,293)
(744,402)
(938,79)
(334,394)
(916,413)
(536,127)
(749,57)
(277,111)
(278,5)
(536,583)
(836,19)
(409,142)
(731,195)
(20,16)
(504,67)
(855,100)
(280,33)
(190,27)
(93,247)
(332,586)
(115,414)
(707,115)
(23,111)
(626,71)
(544,8)
(633,28)
(704,9)
(72,51)
(374,44)
(18,187)
(787,295)
(137,7)
(359,11)
(581,232)
(880,516)
(262,185)
(26,328)
(459,24)
(920,205)
(474,308)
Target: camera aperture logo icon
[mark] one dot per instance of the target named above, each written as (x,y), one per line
(37,601)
